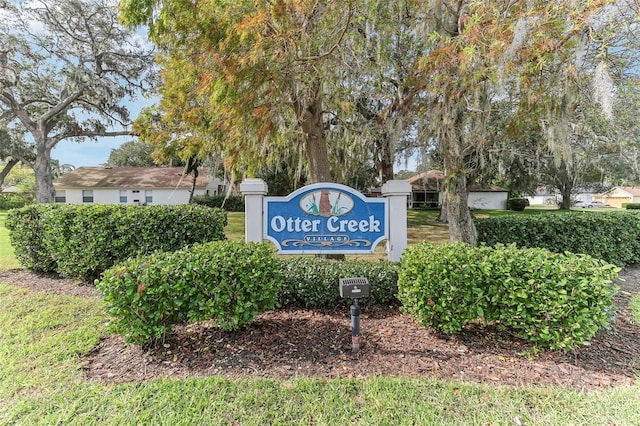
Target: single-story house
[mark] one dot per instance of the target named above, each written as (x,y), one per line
(10,190)
(427,190)
(132,185)
(544,196)
(619,195)
(551,196)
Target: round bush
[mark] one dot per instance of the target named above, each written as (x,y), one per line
(228,282)
(551,299)
(517,204)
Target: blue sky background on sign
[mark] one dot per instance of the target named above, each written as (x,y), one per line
(325,218)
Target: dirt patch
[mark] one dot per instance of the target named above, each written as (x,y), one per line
(291,343)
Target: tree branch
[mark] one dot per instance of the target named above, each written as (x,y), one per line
(15,109)
(7,168)
(335,45)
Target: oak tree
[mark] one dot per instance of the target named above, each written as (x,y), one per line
(65,68)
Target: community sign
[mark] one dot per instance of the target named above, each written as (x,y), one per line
(325,218)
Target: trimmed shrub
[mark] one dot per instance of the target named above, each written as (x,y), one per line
(233,203)
(632,206)
(14,201)
(82,241)
(611,236)
(553,300)
(517,204)
(228,282)
(442,285)
(314,282)
(26,233)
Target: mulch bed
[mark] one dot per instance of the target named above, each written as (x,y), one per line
(289,343)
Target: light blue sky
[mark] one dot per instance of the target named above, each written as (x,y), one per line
(96,153)
(87,153)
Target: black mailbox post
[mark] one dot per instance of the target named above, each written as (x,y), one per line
(354,288)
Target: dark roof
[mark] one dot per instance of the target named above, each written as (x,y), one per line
(432,181)
(427,181)
(130,177)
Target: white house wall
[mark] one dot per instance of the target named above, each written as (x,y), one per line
(488,200)
(112,196)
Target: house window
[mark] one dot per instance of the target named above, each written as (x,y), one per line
(123,196)
(148,196)
(61,197)
(87,196)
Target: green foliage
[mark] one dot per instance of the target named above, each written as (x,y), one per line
(101,67)
(43,384)
(14,201)
(233,203)
(553,300)
(83,241)
(314,281)
(136,154)
(516,204)
(226,281)
(26,233)
(632,206)
(611,236)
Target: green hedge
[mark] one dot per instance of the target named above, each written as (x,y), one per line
(15,201)
(553,300)
(26,233)
(226,281)
(233,203)
(82,241)
(632,206)
(314,282)
(611,236)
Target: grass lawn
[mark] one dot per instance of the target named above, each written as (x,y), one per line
(7,259)
(235,226)
(42,338)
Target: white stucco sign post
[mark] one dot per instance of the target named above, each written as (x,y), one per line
(328,218)
(254,191)
(397,191)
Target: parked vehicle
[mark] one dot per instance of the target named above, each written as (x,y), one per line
(590,204)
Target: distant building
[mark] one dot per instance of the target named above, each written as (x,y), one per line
(618,196)
(427,191)
(10,190)
(132,185)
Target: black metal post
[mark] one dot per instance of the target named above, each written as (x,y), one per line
(355,326)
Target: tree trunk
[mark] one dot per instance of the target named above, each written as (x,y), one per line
(564,181)
(442,217)
(311,122)
(384,160)
(565,191)
(461,226)
(45,192)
